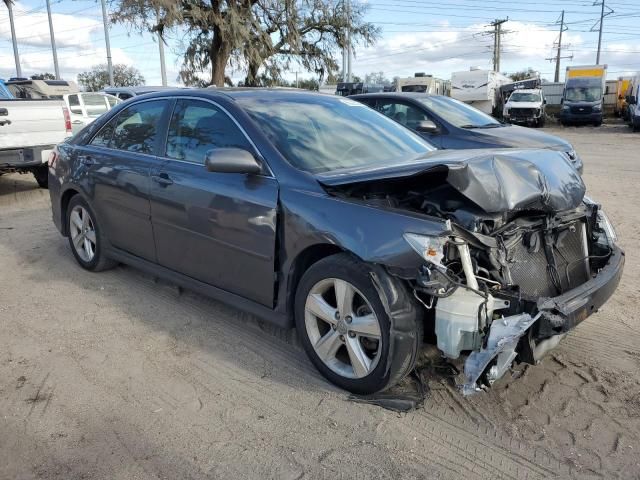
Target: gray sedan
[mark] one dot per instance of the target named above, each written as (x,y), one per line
(318,212)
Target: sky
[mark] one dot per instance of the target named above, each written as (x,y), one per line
(416,36)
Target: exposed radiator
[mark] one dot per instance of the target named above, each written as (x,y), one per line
(530,268)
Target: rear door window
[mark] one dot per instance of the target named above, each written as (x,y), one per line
(197,127)
(136,128)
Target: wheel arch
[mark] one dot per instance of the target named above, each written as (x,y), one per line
(65,198)
(300,264)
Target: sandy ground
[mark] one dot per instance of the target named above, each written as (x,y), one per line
(117,376)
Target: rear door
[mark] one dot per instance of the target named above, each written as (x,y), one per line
(219,228)
(118,162)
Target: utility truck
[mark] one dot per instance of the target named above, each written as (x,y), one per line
(29,130)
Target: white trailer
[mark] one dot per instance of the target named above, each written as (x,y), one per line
(423,84)
(479,88)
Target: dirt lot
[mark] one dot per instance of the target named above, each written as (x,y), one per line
(117,376)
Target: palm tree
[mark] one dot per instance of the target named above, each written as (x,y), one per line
(9,4)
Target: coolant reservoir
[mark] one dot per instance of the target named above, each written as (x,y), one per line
(459,318)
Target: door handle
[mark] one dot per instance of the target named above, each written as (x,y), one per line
(86,160)
(162,179)
(77,122)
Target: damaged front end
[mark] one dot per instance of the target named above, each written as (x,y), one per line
(526,257)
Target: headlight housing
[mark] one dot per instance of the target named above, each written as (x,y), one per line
(566,108)
(431,249)
(605,224)
(597,108)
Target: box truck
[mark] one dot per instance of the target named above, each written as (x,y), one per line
(583,97)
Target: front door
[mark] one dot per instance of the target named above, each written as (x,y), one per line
(219,228)
(118,161)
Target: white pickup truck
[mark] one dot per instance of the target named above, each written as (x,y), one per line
(29,129)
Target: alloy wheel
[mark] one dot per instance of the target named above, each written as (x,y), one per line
(83,233)
(343,329)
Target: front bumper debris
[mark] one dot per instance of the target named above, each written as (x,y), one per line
(555,315)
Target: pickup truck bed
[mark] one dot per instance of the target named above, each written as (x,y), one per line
(29,129)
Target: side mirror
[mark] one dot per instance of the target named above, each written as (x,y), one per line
(544,101)
(426,126)
(231,160)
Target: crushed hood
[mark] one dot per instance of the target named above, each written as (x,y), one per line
(497,181)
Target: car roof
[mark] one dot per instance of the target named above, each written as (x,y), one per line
(139,90)
(396,95)
(280,94)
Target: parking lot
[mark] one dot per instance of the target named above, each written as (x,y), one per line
(117,375)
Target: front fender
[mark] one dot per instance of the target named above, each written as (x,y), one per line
(374,234)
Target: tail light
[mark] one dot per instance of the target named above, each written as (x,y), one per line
(67,120)
(53,157)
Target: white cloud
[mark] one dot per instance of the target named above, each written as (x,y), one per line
(442,52)
(32,28)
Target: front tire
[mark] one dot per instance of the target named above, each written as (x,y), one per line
(85,237)
(345,329)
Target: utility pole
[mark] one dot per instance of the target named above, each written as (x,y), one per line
(53,42)
(349,48)
(601,22)
(105,22)
(296,72)
(558,55)
(163,67)
(13,38)
(497,43)
(556,77)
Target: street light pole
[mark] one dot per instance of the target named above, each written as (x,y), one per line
(105,22)
(16,56)
(53,42)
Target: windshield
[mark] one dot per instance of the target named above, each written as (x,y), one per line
(525,97)
(583,89)
(457,113)
(322,133)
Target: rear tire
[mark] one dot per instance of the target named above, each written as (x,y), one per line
(41,174)
(347,336)
(85,237)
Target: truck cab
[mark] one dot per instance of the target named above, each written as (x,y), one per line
(525,106)
(583,97)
